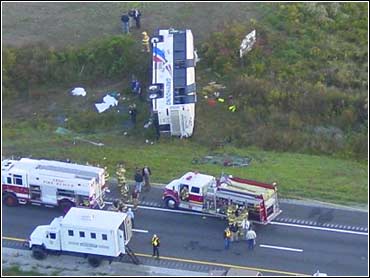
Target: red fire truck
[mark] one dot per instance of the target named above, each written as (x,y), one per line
(205,193)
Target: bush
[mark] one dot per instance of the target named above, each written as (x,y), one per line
(36,65)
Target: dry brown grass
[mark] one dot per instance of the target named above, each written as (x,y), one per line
(62,24)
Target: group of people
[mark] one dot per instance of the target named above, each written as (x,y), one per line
(229,235)
(127,19)
(135,14)
(142,177)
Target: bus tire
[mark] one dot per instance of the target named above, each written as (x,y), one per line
(38,253)
(10,199)
(170,203)
(94,261)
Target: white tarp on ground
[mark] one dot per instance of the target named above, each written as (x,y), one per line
(79,92)
(108,101)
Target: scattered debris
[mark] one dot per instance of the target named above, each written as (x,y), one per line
(224,160)
(108,101)
(88,141)
(149,123)
(78,92)
(62,131)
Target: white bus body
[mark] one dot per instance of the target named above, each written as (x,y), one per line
(173,90)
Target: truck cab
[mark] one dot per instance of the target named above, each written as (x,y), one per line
(189,191)
(47,236)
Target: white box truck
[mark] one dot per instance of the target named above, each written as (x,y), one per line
(97,234)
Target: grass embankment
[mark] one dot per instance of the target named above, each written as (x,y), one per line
(15,271)
(298,175)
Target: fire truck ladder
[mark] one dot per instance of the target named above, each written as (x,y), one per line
(132,255)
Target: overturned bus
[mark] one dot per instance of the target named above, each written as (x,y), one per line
(173,92)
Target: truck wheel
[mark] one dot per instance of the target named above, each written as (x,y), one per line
(65,206)
(10,200)
(94,261)
(38,253)
(170,203)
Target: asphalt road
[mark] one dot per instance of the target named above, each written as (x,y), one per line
(194,237)
(292,213)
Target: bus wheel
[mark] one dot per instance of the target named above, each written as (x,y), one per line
(94,261)
(10,200)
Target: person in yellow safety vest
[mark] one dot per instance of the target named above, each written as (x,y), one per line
(232,108)
(145,42)
(155,244)
(227,237)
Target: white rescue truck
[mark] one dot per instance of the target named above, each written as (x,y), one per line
(97,234)
(52,183)
(205,193)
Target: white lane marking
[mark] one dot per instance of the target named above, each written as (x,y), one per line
(320,228)
(140,231)
(281,248)
(273,222)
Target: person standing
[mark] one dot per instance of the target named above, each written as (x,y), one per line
(135,199)
(145,42)
(134,82)
(137,15)
(227,236)
(125,23)
(245,227)
(131,14)
(234,231)
(138,180)
(155,244)
(132,111)
(251,238)
(132,216)
(146,174)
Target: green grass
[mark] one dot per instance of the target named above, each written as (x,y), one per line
(298,175)
(15,271)
(60,24)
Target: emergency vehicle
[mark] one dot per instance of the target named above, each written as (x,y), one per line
(205,193)
(98,234)
(173,92)
(52,183)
